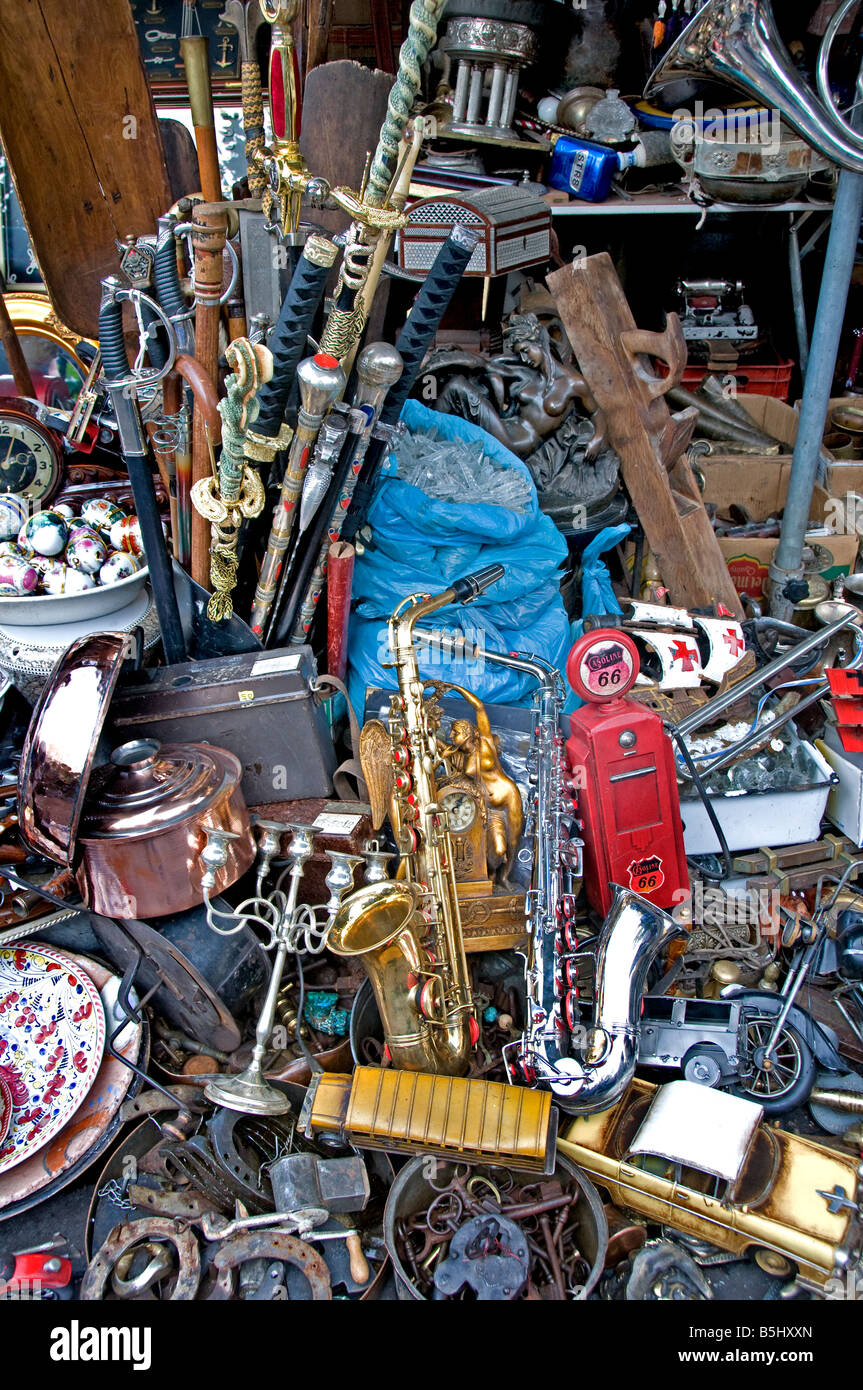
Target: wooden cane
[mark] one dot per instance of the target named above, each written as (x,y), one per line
(208,242)
(14,355)
(196,61)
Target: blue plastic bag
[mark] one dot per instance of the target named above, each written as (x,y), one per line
(421,544)
(597,595)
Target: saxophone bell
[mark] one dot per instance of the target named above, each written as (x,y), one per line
(737,41)
(383,924)
(632,936)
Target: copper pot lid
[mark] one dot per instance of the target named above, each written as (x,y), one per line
(61,743)
(150,787)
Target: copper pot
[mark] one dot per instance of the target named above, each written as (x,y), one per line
(142,829)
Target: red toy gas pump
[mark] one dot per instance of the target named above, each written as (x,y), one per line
(622,766)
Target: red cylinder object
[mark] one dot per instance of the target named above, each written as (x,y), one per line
(340,575)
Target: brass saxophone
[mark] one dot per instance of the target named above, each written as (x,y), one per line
(408,932)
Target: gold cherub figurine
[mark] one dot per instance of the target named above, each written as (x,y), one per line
(474,751)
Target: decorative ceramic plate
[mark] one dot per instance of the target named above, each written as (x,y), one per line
(5,1108)
(52,1035)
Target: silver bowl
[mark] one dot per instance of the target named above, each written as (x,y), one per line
(40,610)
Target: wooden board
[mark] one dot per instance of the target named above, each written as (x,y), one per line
(80,132)
(614,358)
(344,105)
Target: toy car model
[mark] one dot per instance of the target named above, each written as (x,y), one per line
(721,1042)
(702,1161)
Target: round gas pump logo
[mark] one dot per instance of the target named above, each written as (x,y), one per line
(602,665)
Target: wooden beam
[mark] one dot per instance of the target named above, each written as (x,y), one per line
(614,357)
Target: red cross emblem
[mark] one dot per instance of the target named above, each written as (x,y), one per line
(733,641)
(686,655)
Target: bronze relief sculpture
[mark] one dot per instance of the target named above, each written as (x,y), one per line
(535,404)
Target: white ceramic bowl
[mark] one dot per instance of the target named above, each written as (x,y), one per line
(40,610)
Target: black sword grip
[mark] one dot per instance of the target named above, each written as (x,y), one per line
(115,363)
(287,343)
(429,308)
(166,277)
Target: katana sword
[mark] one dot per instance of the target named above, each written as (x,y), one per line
(412,345)
(288,344)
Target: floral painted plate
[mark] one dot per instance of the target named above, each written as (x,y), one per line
(52,1036)
(5,1108)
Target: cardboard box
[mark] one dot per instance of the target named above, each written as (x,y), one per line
(759,482)
(763,491)
(843,477)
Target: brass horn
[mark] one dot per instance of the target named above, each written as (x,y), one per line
(737,41)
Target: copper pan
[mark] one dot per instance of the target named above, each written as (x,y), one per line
(131,826)
(142,831)
(61,743)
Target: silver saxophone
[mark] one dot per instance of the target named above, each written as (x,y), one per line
(588,1067)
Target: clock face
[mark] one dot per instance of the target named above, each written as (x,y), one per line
(28,459)
(460,810)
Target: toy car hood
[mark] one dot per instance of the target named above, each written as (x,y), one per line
(699,1127)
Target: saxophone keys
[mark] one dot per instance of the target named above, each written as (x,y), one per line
(571,1010)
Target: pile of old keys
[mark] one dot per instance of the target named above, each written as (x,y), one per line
(494,1239)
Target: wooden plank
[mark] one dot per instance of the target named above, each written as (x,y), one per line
(80,132)
(614,358)
(335,146)
(319,18)
(344,105)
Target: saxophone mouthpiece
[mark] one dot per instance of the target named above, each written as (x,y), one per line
(472,585)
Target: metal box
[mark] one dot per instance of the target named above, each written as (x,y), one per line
(514,230)
(749,819)
(258,705)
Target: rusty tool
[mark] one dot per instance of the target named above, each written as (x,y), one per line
(333,1185)
(306,1222)
(275,1245)
(124,1238)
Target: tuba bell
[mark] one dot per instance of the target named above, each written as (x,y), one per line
(737,41)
